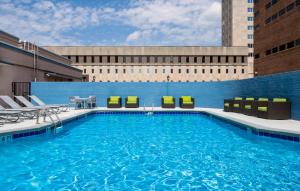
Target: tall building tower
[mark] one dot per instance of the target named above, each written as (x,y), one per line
(237,26)
(277,36)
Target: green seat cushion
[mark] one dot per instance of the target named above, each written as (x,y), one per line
(132,99)
(187,99)
(279,100)
(226,104)
(250,99)
(114,98)
(263,99)
(168,99)
(238,98)
(247,106)
(188,103)
(265,109)
(236,105)
(113,102)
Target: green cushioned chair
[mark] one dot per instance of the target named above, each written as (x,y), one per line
(238,105)
(249,106)
(228,105)
(168,102)
(114,102)
(187,102)
(278,109)
(131,102)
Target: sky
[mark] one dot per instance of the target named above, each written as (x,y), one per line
(114,22)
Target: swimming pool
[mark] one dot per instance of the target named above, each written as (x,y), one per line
(166,151)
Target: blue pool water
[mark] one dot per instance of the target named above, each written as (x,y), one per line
(157,152)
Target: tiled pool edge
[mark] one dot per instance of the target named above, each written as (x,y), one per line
(10,136)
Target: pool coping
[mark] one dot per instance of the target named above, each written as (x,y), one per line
(254,128)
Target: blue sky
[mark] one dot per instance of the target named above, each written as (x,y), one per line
(113,22)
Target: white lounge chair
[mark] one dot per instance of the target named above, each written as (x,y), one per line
(9,115)
(28,104)
(63,107)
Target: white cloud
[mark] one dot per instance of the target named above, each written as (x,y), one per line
(157,22)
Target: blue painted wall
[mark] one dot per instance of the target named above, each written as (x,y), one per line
(207,94)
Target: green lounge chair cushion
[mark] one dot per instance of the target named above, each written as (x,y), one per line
(263,99)
(265,109)
(132,99)
(250,99)
(247,106)
(168,100)
(236,105)
(279,100)
(114,100)
(238,98)
(187,99)
(226,104)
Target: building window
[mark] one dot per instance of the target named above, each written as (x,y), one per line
(211,71)
(227,59)
(219,71)
(243,71)
(100,71)
(131,59)
(268,5)
(243,59)
(290,44)
(108,71)
(124,71)
(187,71)
(234,71)
(179,59)
(203,59)
(274,17)
(256,56)
(195,59)
(219,59)
(164,59)
(155,71)
(298,41)
(84,71)
(281,12)
(282,47)
(250,1)
(148,59)
(77,59)
(268,52)
(290,7)
(156,59)
(211,59)
(164,71)
(274,50)
(171,59)
(116,59)
(250,45)
(100,59)
(250,54)
(234,59)
(179,71)
(140,59)
(268,20)
(250,10)
(187,59)
(84,59)
(108,59)
(171,70)
(250,18)
(93,59)
(93,70)
(203,71)
(116,71)
(250,27)
(250,36)
(227,70)
(195,71)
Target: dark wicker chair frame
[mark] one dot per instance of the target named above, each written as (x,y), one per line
(186,106)
(228,109)
(131,105)
(276,110)
(119,105)
(253,110)
(240,108)
(163,105)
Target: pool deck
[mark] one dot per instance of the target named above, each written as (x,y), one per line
(289,127)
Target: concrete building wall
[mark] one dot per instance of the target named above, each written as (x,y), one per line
(277,36)
(237,26)
(22,65)
(155,64)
